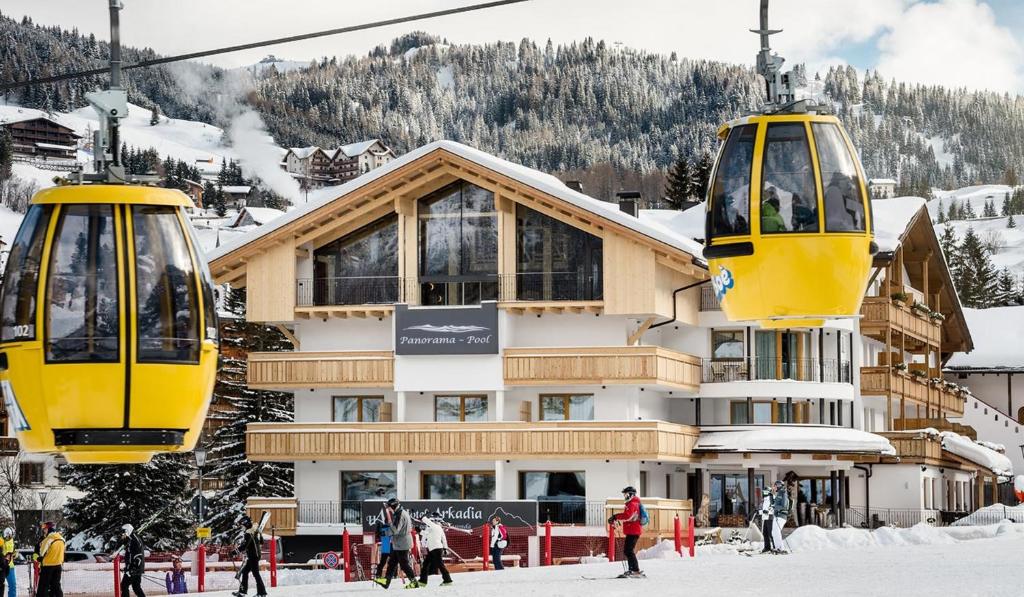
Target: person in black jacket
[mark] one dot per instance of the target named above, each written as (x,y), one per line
(252,544)
(134,562)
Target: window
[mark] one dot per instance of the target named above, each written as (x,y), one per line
(82,306)
(358,269)
(21,278)
(458,246)
(165,287)
(458,485)
(926,493)
(731,495)
(840,182)
(31,473)
(561,495)
(567,407)
(789,198)
(727,344)
(739,415)
(357,486)
(643,484)
(460,408)
(357,409)
(555,261)
(730,194)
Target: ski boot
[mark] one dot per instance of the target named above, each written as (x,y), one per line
(414,584)
(447,583)
(382,582)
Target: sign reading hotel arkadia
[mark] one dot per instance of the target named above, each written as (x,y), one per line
(464,514)
(443,330)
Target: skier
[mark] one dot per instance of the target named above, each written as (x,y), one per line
(767,523)
(252,543)
(436,544)
(780,513)
(7,572)
(51,551)
(499,541)
(401,542)
(134,562)
(632,527)
(384,532)
(175,579)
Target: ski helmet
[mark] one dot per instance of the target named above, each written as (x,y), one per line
(779,484)
(393,503)
(629,490)
(8,533)
(128,530)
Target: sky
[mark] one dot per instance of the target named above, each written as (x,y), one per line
(978,44)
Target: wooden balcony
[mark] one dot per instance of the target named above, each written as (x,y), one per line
(883,381)
(880,314)
(939,424)
(915,447)
(344,369)
(282,513)
(636,365)
(609,440)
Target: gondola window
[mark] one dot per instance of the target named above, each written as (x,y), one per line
(788,195)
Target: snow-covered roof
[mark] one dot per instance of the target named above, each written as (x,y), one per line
(354,149)
(997,339)
(540,181)
(237,189)
(892,219)
(56,146)
(976,452)
(27,114)
(791,438)
(881,181)
(304,152)
(689,223)
(259,215)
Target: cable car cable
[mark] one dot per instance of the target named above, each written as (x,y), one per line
(260,44)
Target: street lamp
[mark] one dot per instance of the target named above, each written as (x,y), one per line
(200,454)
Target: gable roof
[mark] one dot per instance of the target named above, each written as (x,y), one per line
(259,215)
(303,152)
(39,116)
(354,149)
(320,201)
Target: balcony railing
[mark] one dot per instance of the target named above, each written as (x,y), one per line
(883,381)
(776,369)
(342,369)
(360,290)
(601,366)
(878,313)
(550,286)
(571,512)
(330,513)
(708,299)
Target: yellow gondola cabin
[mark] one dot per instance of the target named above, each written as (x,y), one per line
(108,338)
(788,223)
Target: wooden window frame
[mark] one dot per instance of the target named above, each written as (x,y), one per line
(359,410)
(565,405)
(463,473)
(743,339)
(462,404)
(31,481)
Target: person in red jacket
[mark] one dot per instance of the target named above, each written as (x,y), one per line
(632,528)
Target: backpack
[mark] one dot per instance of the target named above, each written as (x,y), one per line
(645,518)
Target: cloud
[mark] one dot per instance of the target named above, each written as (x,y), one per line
(952,43)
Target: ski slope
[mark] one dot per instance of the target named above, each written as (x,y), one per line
(976,196)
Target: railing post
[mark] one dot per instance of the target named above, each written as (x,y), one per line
(486,537)
(346,556)
(547,543)
(117,576)
(201,563)
(693,536)
(273,558)
(678,532)
(611,542)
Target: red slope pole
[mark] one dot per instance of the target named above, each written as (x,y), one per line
(693,538)
(117,575)
(486,545)
(611,543)
(346,557)
(273,559)
(678,524)
(201,562)
(547,543)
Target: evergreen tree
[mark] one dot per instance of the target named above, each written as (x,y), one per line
(968,211)
(1006,289)
(951,250)
(1005,211)
(702,176)
(989,211)
(6,155)
(154,116)
(942,213)
(113,495)
(241,406)
(976,280)
(679,186)
(220,203)
(1010,222)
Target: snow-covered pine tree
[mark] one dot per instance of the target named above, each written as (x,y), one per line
(1010,222)
(976,279)
(989,211)
(942,213)
(1006,289)
(1005,211)
(220,204)
(679,185)
(967,212)
(241,406)
(131,493)
(154,116)
(702,176)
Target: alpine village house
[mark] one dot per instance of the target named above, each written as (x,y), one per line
(469,328)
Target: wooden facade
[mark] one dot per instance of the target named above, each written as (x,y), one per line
(904,388)
(340,369)
(629,440)
(283,514)
(42,138)
(634,365)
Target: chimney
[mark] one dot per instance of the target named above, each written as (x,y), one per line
(576,185)
(629,202)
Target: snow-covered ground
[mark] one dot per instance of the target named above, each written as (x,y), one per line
(1009,251)
(975,195)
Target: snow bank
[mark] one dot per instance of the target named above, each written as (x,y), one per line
(996,334)
(813,538)
(665,550)
(775,438)
(990,513)
(976,452)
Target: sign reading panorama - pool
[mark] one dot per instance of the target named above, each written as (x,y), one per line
(464,514)
(441,330)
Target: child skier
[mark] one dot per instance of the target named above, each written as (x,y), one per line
(175,579)
(436,544)
(632,527)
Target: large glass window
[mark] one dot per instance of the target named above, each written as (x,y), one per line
(165,287)
(727,344)
(840,182)
(460,408)
(731,496)
(458,244)
(82,306)
(788,196)
(739,414)
(567,407)
(458,486)
(555,261)
(561,495)
(357,269)
(357,409)
(730,194)
(21,278)
(357,486)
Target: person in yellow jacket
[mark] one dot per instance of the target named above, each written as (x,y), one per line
(7,564)
(51,552)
